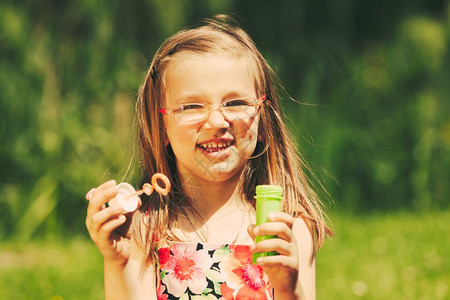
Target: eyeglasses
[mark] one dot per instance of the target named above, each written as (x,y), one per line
(233,109)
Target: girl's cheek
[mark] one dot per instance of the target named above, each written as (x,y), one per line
(245,124)
(248,132)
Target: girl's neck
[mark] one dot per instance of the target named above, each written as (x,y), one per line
(212,199)
(218,213)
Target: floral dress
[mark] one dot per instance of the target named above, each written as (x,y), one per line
(196,271)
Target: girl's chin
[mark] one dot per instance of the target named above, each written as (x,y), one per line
(221,172)
(214,167)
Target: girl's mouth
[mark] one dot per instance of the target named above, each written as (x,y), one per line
(212,147)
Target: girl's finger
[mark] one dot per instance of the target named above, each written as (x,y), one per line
(108,227)
(277,245)
(278,261)
(101,217)
(101,188)
(106,185)
(281,217)
(278,229)
(89,194)
(100,197)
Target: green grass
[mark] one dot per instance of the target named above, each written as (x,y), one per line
(51,270)
(398,256)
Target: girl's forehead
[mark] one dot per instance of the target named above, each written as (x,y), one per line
(211,59)
(190,73)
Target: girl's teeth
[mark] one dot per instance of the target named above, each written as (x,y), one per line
(213,145)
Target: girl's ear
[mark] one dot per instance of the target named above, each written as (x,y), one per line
(166,140)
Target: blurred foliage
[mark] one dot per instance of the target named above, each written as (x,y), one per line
(372,76)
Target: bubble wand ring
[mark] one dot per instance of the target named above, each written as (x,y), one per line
(128,197)
(148,188)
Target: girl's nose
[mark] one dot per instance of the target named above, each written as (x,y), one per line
(217,119)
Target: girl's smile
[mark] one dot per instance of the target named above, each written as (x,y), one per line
(214,149)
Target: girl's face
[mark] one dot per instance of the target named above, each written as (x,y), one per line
(215,149)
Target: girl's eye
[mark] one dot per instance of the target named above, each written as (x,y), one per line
(192,106)
(237,102)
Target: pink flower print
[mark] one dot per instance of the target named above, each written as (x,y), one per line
(227,292)
(251,276)
(185,269)
(163,257)
(243,280)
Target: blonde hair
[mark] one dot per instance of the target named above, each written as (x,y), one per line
(275,159)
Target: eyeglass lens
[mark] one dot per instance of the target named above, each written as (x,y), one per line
(231,109)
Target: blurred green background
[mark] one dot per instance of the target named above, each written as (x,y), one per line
(373,81)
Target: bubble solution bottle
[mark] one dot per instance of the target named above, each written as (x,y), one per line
(268,199)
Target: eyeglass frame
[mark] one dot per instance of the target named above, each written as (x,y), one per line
(257,101)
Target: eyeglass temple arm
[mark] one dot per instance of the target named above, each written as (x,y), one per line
(262,99)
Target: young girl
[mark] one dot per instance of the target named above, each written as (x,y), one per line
(209,119)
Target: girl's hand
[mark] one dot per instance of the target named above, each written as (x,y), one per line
(282,269)
(107,226)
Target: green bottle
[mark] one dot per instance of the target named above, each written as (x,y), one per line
(268,199)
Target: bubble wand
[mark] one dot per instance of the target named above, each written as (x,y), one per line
(128,197)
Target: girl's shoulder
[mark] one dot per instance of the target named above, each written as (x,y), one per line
(301,226)
(302,232)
